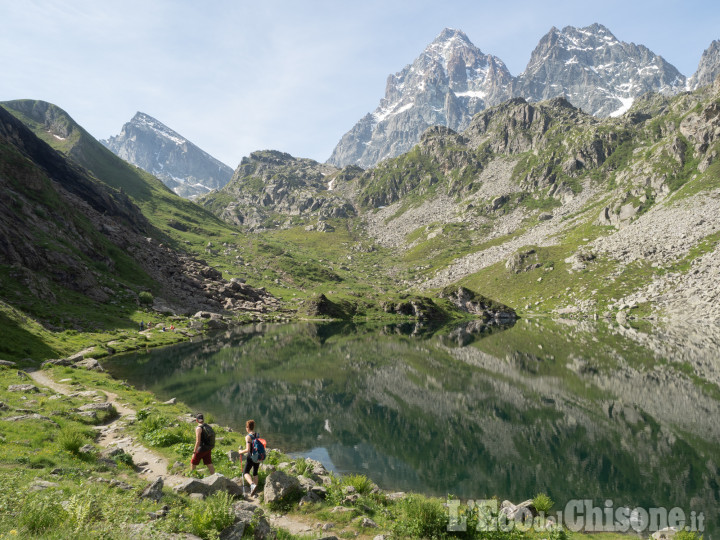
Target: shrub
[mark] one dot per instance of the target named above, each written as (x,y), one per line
(360,482)
(211,516)
(542,503)
(124,459)
(420,518)
(145,298)
(71,439)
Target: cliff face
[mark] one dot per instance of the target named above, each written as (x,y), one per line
(157,149)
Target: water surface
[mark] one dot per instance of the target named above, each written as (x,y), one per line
(575,410)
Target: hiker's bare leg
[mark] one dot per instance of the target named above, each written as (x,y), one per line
(248,478)
(211,468)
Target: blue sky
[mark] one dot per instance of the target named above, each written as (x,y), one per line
(238,76)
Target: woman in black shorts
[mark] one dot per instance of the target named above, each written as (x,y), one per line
(250,464)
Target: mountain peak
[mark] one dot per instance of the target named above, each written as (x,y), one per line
(449,34)
(708,68)
(446,85)
(151,145)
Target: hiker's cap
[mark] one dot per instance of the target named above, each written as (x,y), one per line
(199,416)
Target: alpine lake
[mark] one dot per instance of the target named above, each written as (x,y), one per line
(581,411)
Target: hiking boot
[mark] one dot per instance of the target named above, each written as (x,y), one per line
(253,488)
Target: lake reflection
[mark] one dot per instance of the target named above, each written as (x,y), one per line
(578,411)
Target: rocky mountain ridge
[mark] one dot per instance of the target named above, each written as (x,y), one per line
(446,85)
(157,149)
(94,238)
(271,189)
(452,80)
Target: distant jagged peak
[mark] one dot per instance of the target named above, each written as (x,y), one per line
(450,38)
(708,69)
(144,119)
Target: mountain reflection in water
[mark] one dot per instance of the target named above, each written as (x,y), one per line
(575,410)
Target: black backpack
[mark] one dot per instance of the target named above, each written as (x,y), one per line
(207,438)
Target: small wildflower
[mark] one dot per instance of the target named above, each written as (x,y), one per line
(13,532)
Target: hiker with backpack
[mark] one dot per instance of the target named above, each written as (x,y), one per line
(255,451)
(204,444)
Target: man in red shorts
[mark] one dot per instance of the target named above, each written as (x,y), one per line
(201,451)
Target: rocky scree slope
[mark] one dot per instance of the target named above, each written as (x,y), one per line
(452,80)
(62,230)
(644,186)
(157,149)
(271,189)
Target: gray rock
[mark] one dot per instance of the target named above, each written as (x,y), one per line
(320,491)
(103,407)
(517,512)
(306,483)
(88,363)
(58,362)
(309,498)
(25,388)
(154,490)
(233,532)
(171,401)
(41,485)
(111,452)
(7,363)
(280,486)
(24,417)
(87,449)
(207,486)
(368,523)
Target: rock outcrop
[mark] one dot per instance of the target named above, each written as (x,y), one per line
(272,189)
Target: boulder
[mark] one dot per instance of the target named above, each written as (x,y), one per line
(208,486)
(477,304)
(7,363)
(523,261)
(24,388)
(309,498)
(367,523)
(317,467)
(88,363)
(58,362)
(154,490)
(247,513)
(24,417)
(218,482)
(233,532)
(280,486)
(518,512)
(104,407)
